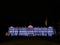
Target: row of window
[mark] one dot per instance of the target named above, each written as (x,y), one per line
(33,33)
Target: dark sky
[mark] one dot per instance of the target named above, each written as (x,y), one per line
(30,13)
(22,16)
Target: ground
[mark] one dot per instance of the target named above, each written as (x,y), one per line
(29,41)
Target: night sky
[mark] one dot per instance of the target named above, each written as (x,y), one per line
(13,16)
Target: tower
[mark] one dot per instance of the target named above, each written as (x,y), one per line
(46,21)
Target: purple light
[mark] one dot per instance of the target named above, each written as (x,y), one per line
(43,31)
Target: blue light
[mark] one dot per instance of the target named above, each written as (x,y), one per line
(15,31)
(43,31)
(11,31)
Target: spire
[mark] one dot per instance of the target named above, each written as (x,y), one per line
(46,21)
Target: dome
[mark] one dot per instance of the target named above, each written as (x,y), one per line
(49,27)
(30,26)
(11,27)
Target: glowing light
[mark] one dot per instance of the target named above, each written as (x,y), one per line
(41,31)
(6,34)
(30,26)
(46,22)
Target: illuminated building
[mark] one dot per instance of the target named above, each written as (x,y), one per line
(31,31)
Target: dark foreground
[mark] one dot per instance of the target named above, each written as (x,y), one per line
(29,41)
